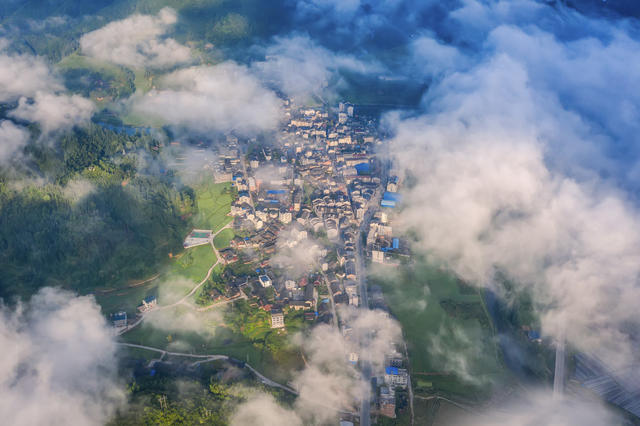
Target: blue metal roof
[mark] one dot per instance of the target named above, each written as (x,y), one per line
(119,316)
(391,196)
(392,370)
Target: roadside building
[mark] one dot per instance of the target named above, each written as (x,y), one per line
(148,303)
(395,376)
(119,319)
(388,402)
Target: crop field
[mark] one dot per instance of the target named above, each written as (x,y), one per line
(449,335)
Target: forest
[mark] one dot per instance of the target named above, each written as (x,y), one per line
(96,216)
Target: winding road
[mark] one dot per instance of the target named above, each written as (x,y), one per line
(212,357)
(183,301)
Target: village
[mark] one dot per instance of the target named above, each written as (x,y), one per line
(309,209)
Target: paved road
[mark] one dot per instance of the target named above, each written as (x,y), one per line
(558,377)
(365,405)
(212,357)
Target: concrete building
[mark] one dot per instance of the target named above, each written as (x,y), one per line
(265,281)
(148,303)
(395,376)
(388,402)
(119,319)
(277,318)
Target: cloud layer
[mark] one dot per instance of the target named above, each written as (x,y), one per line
(225,97)
(28,81)
(301,68)
(57,364)
(12,139)
(137,41)
(329,384)
(516,171)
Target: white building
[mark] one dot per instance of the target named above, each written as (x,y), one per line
(277,318)
(265,281)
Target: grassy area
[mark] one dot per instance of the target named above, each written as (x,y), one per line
(214,204)
(126,299)
(449,337)
(186,330)
(101,81)
(193,263)
(138,353)
(223,239)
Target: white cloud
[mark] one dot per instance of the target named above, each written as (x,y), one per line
(24,75)
(264,410)
(541,408)
(301,68)
(12,139)
(297,253)
(57,364)
(329,384)
(29,81)
(54,111)
(223,97)
(432,57)
(137,41)
(488,196)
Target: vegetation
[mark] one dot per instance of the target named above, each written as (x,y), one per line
(439,318)
(100,224)
(223,239)
(102,82)
(213,201)
(215,286)
(193,263)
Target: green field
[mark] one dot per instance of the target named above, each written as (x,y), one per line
(193,263)
(214,204)
(449,336)
(126,299)
(185,330)
(103,82)
(222,240)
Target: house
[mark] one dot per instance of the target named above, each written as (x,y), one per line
(395,376)
(148,303)
(243,197)
(265,281)
(388,402)
(119,319)
(277,318)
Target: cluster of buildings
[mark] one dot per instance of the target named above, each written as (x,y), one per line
(316,179)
